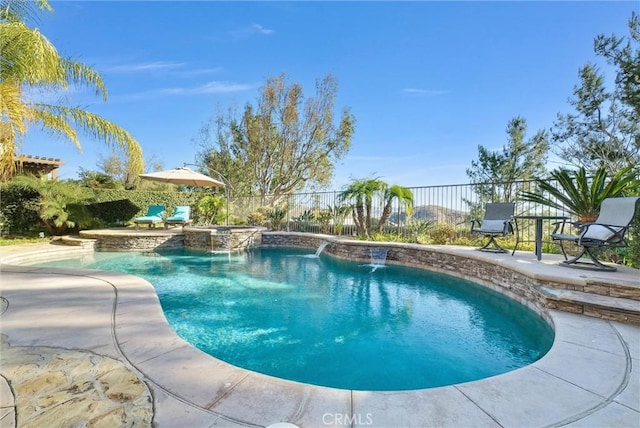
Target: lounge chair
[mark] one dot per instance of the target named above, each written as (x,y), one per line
(609,229)
(181,215)
(498,220)
(155,214)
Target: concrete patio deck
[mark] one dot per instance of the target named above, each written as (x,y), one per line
(589,378)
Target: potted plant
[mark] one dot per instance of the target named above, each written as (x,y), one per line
(580,194)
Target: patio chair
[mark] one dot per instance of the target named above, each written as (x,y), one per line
(498,220)
(609,229)
(181,216)
(155,214)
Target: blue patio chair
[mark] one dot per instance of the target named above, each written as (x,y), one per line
(155,214)
(181,215)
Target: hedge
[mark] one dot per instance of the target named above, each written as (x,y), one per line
(18,208)
(119,206)
(19,205)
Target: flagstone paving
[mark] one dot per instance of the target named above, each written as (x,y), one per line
(53,386)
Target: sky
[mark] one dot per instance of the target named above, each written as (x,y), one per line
(427,82)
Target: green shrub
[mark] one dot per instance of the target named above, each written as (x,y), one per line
(210,210)
(114,212)
(305,221)
(388,237)
(19,208)
(468,241)
(324,217)
(276,217)
(442,234)
(257,218)
(141,199)
(60,206)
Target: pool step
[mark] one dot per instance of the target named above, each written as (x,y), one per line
(611,308)
(76,241)
(626,290)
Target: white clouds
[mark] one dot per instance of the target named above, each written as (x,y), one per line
(143,67)
(200,71)
(171,70)
(261,30)
(176,68)
(214,87)
(252,30)
(424,92)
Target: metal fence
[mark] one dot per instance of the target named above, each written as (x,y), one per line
(454,205)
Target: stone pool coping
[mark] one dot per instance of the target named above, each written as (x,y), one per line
(590,377)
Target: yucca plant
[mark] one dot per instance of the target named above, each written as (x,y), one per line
(580,194)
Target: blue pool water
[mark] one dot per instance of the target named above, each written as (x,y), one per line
(336,323)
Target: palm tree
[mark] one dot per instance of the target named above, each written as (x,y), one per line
(405,198)
(361,192)
(62,205)
(29,61)
(580,194)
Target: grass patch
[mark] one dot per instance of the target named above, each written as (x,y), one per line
(7,240)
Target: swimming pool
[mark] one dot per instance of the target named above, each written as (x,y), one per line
(336,323)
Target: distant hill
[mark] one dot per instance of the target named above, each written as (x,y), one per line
(436,214)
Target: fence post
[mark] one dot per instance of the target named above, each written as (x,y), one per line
(289,204)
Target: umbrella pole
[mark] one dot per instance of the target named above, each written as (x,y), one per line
(226,190)
(226,196)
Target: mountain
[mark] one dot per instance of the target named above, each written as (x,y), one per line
(436,214)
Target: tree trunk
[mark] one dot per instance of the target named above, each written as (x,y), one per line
(386,213)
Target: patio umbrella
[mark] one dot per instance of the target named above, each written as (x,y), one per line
(182,175)
(188,177)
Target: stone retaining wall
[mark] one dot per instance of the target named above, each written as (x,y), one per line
(498,278)
(233,238)
(222,238)
(134,242)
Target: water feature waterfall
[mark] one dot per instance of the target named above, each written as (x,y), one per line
(378,257)
(220,241)
(321,247)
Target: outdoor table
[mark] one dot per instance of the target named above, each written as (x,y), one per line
(538,232)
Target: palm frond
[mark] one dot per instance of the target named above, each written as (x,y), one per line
(580,194)
(27,56)
(80,74)
(94,126)
(21,10)
(55,124)
(12,110)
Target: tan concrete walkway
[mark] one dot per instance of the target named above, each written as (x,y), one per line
(589,378)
